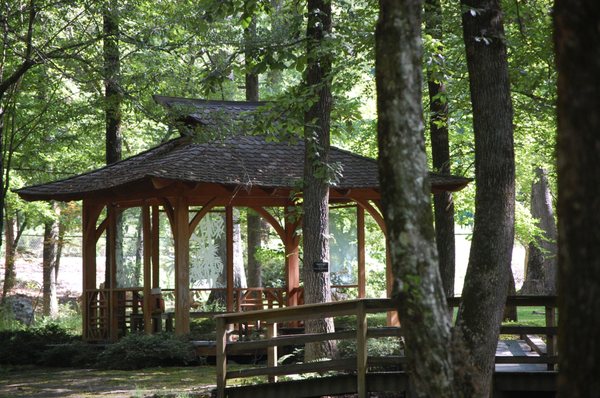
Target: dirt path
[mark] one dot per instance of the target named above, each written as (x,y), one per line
(179,382)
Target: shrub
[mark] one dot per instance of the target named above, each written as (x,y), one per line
(75,354)
(24,347)
(138,351)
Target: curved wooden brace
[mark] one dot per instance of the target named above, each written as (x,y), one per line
(101,228)
(200,215)
(170,212)
(373,212)
(271,220)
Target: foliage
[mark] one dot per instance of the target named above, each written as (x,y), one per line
(385,346)
(27,346)
(138,351)
(75,354)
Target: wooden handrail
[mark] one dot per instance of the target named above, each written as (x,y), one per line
(359,308)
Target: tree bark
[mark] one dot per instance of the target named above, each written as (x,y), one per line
(488,271)
(577,45)
(405,191)
(440,149)
(540,276)
(315,223)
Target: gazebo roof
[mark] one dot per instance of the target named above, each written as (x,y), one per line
(239,162)
(245,162)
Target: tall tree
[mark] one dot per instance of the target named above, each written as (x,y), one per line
(254,222)
(112,112)
(112,72)
(440,147)
(577,45)
(315,222)
(486,281)
(540,275)
(418,288)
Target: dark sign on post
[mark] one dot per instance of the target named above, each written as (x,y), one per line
(321,266)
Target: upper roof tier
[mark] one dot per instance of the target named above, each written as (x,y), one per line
(235,162)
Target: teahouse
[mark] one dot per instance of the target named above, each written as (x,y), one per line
(184,179)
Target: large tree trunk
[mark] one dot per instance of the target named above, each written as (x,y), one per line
(577,44)
(440,149)
(315,224)
(488,272)
(540,276)
(49,255)
(406,204)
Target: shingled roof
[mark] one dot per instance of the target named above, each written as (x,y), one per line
(241,161)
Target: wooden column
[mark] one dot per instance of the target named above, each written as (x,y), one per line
(182,266)
(229,265)
(360,237)
(155,247)
(292,261)
(147,264)
(111,263)
(90,213)
(392,316)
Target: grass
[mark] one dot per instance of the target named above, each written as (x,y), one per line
(156,382)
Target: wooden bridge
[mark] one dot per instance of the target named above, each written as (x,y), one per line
(524,364)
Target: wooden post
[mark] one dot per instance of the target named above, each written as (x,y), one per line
(221,365)
(155,247)
(147,254)
(292,261)
(392,316)
(361,350)
(89,217)
(229,265)
(182,267)
(551,340)
(272,351)
(360,237)
(111,243)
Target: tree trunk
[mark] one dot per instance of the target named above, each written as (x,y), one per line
(254,222)
(488,272)
(577,44)
(540,277)
(50,304)
(440,149)
(315,223)
(10,275)
(112,109)
(510,312)
(405,191)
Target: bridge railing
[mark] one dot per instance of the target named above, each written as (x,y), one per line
(225,345)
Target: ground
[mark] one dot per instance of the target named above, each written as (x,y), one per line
(177,382)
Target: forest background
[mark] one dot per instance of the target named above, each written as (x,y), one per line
(53,73)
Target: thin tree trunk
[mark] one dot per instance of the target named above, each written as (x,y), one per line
(315,223)
(418,287)
(10,275)
(488,272)
(540,277)
(49,267)
(112,109)
(254,221)
(440,149)
(577,45)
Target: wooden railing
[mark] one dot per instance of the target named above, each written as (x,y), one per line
(360,364)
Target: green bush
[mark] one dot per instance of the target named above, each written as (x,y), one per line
(76,354)
(25,346)
(385,346)
(138,351)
